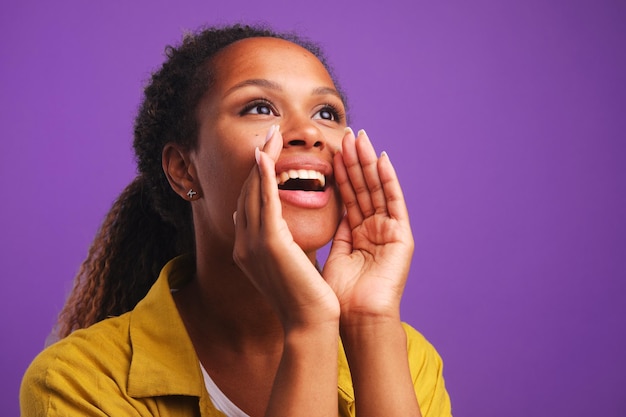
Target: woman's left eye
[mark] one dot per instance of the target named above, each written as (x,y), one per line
(328,113)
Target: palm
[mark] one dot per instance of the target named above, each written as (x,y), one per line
(367,266)
(369,260)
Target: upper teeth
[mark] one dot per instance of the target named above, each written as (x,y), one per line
(303,174)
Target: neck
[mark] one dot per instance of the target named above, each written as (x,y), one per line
(221,306)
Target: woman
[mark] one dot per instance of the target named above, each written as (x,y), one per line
(245,167)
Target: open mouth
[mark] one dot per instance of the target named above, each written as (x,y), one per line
(301,180)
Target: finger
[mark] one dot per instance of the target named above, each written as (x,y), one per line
(356,174)
(369,163)
(342,241)
(270,200)
(348,195)
(240,219)
(273,142)
(270,206)
(245,216)
(252,200)
(396,205)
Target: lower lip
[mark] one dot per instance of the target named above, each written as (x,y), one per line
(306,199)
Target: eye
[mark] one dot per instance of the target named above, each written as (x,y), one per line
(328,112)
(260,107)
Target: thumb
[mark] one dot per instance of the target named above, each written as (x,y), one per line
(342,242)
(273,143)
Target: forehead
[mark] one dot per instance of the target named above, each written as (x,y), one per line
(266,58)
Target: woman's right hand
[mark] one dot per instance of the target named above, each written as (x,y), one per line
(266,251)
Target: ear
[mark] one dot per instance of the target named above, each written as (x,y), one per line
(179,170)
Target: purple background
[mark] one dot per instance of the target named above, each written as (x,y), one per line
(505,120)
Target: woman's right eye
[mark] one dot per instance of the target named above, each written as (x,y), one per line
(260,107)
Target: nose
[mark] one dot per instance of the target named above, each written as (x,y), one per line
(302,132)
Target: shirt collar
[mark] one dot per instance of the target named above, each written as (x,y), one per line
(163,350)
(161,346)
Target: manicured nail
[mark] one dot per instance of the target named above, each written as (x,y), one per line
(361,132)
(383,154)
(257,155)
(348,130)
(270,133)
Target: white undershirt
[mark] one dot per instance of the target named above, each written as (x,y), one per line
(220,401)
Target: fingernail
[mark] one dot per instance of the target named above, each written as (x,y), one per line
(384,154)
(257,155)
(270,133)
(362,132)
(235,217)
(348,130)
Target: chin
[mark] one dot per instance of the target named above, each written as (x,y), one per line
(312,235)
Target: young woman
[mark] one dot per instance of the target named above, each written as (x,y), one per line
(246,169)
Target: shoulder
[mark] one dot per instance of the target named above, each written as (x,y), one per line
(423,357)
(426,368)
(418,345)
(82,364)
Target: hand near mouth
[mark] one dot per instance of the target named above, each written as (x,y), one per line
(367,268)
(266,251)
(369,260)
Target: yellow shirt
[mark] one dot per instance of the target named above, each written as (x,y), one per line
(144,364)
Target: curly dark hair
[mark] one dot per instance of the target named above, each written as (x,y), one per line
(149,224)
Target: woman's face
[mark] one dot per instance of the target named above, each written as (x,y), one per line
(260,82)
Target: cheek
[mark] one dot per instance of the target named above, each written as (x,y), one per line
(226,185)
(221,178)
(334,137)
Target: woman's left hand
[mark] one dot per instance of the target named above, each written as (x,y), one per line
(371,253)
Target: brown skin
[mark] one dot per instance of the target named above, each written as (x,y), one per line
(225,152)
(263,320)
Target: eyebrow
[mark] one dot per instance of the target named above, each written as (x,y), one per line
(322,91)
(264,83)
(257,82)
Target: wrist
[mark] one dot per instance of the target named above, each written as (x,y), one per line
(316,321)
(363,328)
(365,317)
(311,336)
